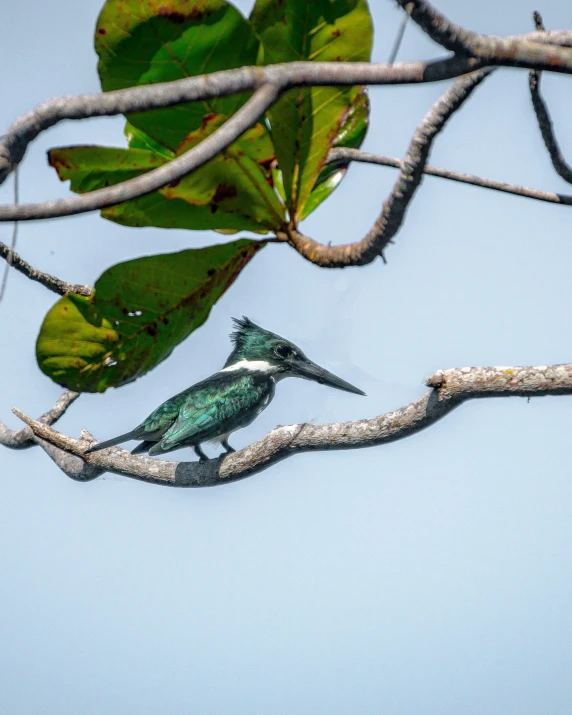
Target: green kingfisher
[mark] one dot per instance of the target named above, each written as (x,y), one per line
(228,400)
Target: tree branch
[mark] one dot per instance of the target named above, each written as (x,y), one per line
(530,51)
(346,154)
(71,466)
(395,206)
(559,163)
(24,438)
(51,282)
(249,113)
(449,389)
(280,77)
(14,143)
(218,84)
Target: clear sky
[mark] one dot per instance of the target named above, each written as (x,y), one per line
(427,576)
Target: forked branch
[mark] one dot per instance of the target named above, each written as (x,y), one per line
(449,389)
(541,51)
(14,143)
(24,438)
(536,51)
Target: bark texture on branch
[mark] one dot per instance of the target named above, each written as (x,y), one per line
(57,285)
(449,389)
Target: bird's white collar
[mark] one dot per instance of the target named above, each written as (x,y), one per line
(254,365)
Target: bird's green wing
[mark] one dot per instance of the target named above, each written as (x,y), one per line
(220,404)
(163,417)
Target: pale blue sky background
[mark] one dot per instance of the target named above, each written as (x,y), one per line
(428,576)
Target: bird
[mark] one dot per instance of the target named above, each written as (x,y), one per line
(229,399)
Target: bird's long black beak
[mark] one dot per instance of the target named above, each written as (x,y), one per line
(310,371)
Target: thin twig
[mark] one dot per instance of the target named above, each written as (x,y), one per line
(449,389)
(545,125)
(538,23)
(51,282)
(395,206)
(10,256)
(23,438)
(400,34)
(345,154)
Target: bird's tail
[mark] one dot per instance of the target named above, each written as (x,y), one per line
(143,447)
(111,442)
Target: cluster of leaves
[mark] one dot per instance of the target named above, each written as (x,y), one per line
(270,178)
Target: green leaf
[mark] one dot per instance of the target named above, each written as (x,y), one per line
(232,192)
(140,311)
(323,190)
(145,41)
(305,122)
(351,134)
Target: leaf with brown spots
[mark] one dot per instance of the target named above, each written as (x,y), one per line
(93,167)
(236,183)
(306,121)
(140,311)
(232,192)
(146,41)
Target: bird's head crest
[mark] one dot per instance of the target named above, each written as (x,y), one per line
(251,342)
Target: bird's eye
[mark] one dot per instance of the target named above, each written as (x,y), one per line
(283,351)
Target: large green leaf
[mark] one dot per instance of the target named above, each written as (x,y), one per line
(232,192)
(140,311)
(146,41)
(305,122)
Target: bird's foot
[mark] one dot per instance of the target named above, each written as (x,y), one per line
(228,448)
(200,454)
